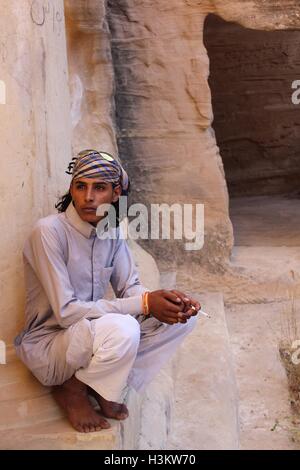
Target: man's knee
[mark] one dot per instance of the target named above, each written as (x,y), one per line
(192,322)
(129,329)
(123,335)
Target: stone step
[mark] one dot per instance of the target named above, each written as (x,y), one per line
(146,427)
(206,397)
(16,382)
(57,434)
(23,399)
(16,413)
(267,419)
(30,418)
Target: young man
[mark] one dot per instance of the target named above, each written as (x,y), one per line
(74,340)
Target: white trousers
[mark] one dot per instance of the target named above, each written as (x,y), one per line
(129,351)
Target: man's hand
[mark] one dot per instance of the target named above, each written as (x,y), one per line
(188,304)
(166,306)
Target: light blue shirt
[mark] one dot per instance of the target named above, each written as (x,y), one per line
(67,271)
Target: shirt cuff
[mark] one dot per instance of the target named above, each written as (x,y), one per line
(132,305)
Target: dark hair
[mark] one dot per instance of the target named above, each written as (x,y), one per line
(63,202)
(66,200)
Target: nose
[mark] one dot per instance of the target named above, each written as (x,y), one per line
(89,195)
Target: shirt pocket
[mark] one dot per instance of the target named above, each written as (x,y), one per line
(104,279)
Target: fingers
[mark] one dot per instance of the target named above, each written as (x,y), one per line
(177,306)
(183,296)
(173,317)
(170,295)
(186,299)
(173,321)
(189,313)
(193,307)
(173,309)
(171,300)
(180,317)
(188,302)
(195,303)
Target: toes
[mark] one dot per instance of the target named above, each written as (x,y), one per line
(122,412)
(78,427)
(92,427)
(105,424)
(114,410)
(86,428)
(124,409)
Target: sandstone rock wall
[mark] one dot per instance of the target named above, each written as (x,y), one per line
(164,113)
(258,14)
(34,135)
(91,76)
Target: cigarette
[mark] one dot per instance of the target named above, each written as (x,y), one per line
(201,312)
(204,313)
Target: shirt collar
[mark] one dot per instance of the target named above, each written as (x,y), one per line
(85,228)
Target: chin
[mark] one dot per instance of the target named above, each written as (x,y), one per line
(89,218)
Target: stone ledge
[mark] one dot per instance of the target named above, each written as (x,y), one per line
(206,396)
(30,418)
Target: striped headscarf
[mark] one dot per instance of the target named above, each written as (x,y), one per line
(93,164)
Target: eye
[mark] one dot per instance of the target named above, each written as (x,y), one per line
(100,187)
(80,186)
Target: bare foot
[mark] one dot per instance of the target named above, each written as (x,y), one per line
(73,398)
(110,409)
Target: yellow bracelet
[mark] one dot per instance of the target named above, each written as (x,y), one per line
(145,303)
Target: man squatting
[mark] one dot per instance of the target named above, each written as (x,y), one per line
(74,340)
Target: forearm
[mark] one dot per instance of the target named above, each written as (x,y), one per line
(77,310)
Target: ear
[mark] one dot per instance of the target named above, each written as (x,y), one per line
(116,193)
